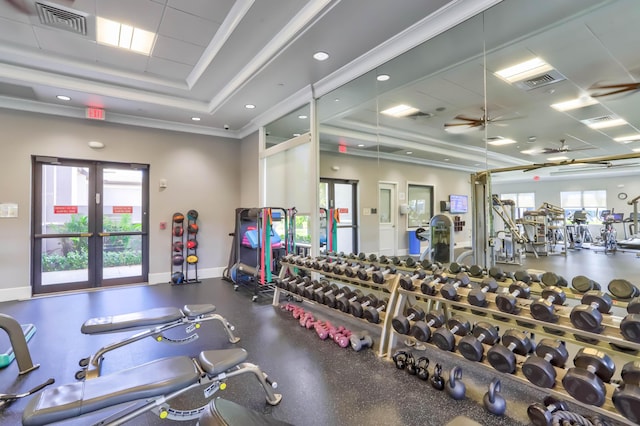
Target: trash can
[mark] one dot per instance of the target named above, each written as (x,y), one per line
(414,243)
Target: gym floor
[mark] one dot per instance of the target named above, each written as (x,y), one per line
(321,383)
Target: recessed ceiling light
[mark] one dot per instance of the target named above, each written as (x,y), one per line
(409,152)
(636,150)
(524,70)
(360,145)
(560,158)
(604,123)
(529,151)
(63,98)
(120,35)
(336,100)
(446,159)
(383,77)
(501,141)
(576,103)
(302,117)
(249,106)
(400,110)
(321,56)
(195,118)
(628,138)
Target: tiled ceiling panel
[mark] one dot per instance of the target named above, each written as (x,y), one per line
(143,14)
(186,27)
(177,50)
(207,9)
(65,43)
(169,69)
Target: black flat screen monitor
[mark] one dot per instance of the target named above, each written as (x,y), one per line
(458,204)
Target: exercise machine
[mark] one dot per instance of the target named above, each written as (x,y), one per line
(19,335)
(154,322)
(608,233)
(633,242)
(442,239)
(150,387)
(221,412)
(508,244)
(578,231)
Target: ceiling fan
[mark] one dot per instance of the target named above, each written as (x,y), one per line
(477,123)
(563,148)
(602,89)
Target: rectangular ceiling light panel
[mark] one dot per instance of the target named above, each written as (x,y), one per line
(576,103)
(524,70)
(400,111)
(604,122)
(125,36)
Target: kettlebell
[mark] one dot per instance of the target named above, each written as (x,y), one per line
(437,382)
(493,401)
(455,388)
(411,365)
(421,368)
(400,359)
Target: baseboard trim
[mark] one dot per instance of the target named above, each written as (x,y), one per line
(15,293)
(165,277)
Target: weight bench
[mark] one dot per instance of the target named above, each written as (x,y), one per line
(148,387)
(220,412)
(155,322)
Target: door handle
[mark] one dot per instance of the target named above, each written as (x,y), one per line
(86,234)
(104,234)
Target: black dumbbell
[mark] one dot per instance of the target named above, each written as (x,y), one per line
(428,286)
(284,282)
(356,308)
(543,308)
(379,277)
(301,260)
(293,286)
(502,357)
(455,387)
(373,257)
(330,266)
(626,397)
(539,368)
(630,324)
(582,284)
(444,338)
(372,314)
(585,381)
(364,273)
(406,281)
(397,261)
(623,289)
(431,266)
(456,267)
(409,262)
(331,298)
(553,279)
(542,414)
(351,271)
(340,267)
(588,316)
(525,276)
(362,256)
(401,324)
(383,259)
(421,330)
(470,346)
(360,341)
(477,271)
(507,302)
(450,290)
(493,401)
(311,288)
(328,289)
(343,303)
(497,273)
(478,295)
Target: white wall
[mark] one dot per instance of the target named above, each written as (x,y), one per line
(370,171)
(249,177)
(202,173)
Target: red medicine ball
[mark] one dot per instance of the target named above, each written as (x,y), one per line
(191,244)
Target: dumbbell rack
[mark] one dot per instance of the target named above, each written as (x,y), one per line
(388,289)
(563,330)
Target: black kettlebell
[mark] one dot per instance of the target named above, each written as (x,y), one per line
(421,368)
(455,388)
(401,358)
(493,401)
(437,382)
(411,365)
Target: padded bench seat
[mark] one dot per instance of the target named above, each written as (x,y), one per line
(147,318)
(150,380)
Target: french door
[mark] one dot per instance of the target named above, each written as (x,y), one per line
(90,223)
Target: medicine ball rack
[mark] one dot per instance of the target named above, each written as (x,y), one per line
(177,248)
(609,340)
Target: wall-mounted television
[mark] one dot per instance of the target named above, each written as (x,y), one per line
(458,204)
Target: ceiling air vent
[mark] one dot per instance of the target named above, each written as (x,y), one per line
(64,19)
(382,148)
(601,119)
(545,79)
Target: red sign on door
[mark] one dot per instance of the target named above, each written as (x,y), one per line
(65,209)
(122,209)
(343,210)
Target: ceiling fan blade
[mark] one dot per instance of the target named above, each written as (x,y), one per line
(461,124)
(613,89)
(465,118)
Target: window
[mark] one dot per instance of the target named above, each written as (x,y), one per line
(524,201)
(420,205)
(593,202)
